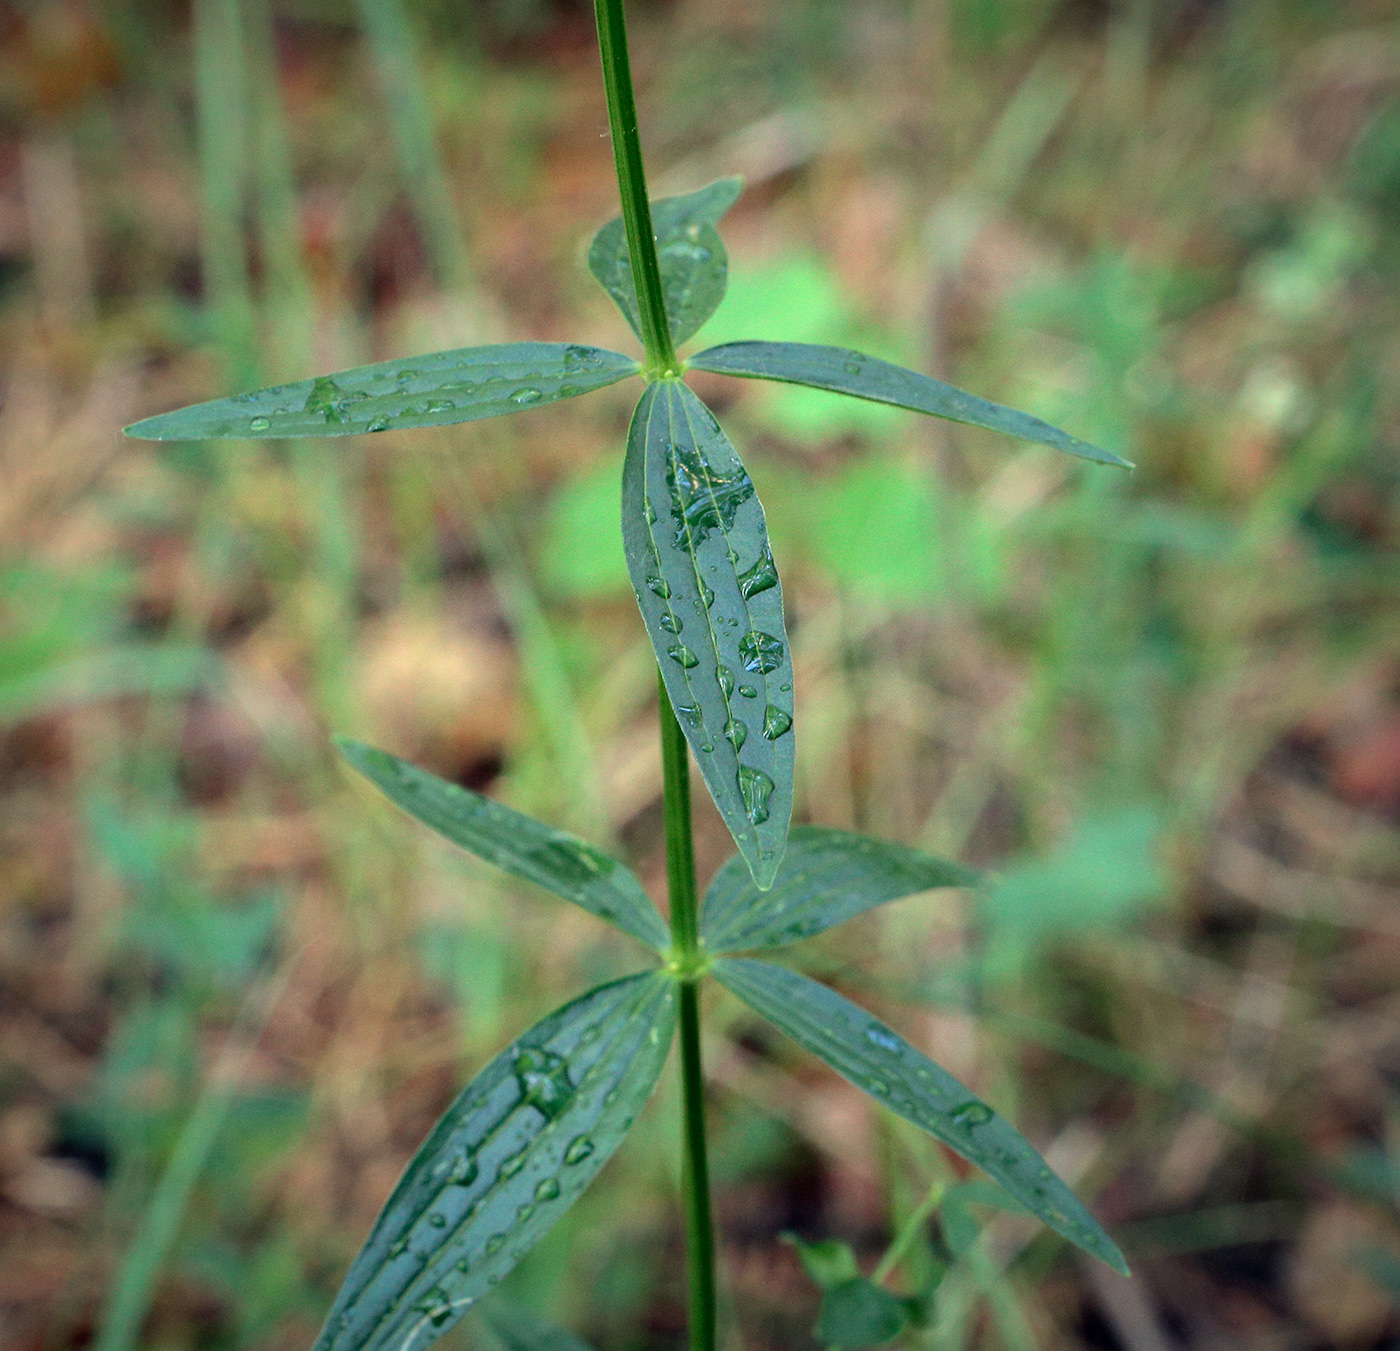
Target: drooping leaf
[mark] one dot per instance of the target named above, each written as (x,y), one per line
(860,1313)
(428,391)
(694,264)
(698,555)
(552,859)
(866,377)
(826,877)
(518,1330)
(510,1155)
(827,1262)
(880,1062)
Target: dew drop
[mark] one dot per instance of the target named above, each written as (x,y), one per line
(440,405)
(853,367)
(438,1220)
(659,586)
(726,681)
(760,652)
(259,424)
(511,1166)
(494,1244)
(525,1211)
(690,714)
(380,424)
(763,576)
(707,746)
(707,595)
(882,1038)
(736,733)
(464,1170)
(650,512)
(437,1305)
(755,787)
(398,1247)
(580,1147)
(525,397)
(678,652)
(544,1080)
(878,1086)
(548,1190)
(463,1266)
(670,623)
(972,1113)
(775,722)
(748,691)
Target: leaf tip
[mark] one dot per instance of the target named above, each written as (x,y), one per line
(148,429)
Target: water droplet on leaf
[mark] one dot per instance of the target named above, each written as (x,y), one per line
(972,1113)
(760,652)
(544,1080)
(580,1147)
(736,733)
(525,397)
(682,654)
(755,787)
(775,722)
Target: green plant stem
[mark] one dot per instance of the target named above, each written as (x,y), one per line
(680,852)
(632,186)
(680,872)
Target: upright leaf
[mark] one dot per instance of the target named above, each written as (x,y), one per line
(698,554)
(865,377)
(514,1151)
(826,877)
(694,264)
(552,859)
(428,391)
(880,1062)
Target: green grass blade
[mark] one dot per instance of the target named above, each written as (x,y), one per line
(698,554)
(694,263)
(517,843)
(428,391)
(507,1159)
(865,377)
(826,877)
(880,1062)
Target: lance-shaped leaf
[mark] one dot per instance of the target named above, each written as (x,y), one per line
(514,1151)
(865,377)
(880,1062)
(826,877)
(694,264)
(698,554)
(427,391)
(552,859)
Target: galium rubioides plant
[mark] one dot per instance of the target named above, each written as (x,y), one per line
(532,1130)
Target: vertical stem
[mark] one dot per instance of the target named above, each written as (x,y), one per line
(675,762)
(680,873)
(632,185)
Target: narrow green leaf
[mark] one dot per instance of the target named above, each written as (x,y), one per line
(510,1155)
(865,377)
(694,264)
(880,1062)
(698,554)
(860,1313)
(552,859)
(826,877)
(428,391)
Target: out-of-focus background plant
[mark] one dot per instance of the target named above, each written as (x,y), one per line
(1163,708)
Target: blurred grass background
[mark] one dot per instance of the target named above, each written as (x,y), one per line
(236,989)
